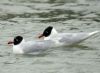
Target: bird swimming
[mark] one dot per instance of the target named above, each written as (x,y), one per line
(50,33)
(51,39)
(21,46)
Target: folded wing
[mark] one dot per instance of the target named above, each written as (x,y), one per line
(73,38)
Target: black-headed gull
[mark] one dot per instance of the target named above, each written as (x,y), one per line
(50,33)
(20,46)
(51,39)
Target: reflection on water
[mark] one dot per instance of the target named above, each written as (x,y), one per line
(30,17)
(43,1)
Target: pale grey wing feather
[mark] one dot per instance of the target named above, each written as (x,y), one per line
(35,46)
(71,38)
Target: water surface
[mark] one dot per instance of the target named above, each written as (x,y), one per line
(30,17)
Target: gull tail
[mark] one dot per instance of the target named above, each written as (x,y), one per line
(90,35)
(93,33)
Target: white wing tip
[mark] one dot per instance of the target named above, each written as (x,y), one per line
(92,33)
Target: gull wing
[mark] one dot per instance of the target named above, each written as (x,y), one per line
(72,38)
(35,46)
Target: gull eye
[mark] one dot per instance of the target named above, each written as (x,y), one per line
(16,39)
(46,31)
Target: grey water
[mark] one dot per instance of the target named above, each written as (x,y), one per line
(29,18)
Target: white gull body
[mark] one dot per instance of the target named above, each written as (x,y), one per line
(26,47)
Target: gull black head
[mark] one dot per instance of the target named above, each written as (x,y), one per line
(17,40)
(46,32)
